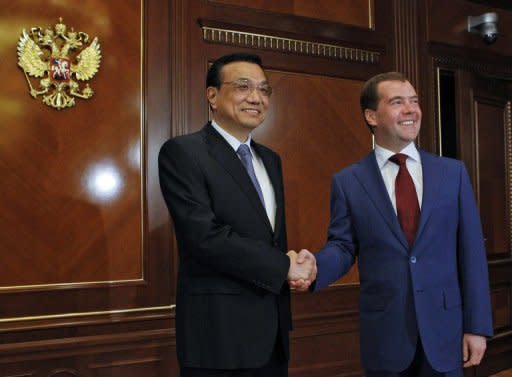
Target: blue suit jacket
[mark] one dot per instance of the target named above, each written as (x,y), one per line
(438,289)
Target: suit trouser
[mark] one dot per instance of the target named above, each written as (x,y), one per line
(420,367)
(277,366)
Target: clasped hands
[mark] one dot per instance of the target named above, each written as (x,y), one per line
(302,270)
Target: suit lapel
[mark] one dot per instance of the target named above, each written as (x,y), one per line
(221,151)
(370,178)
(432,175)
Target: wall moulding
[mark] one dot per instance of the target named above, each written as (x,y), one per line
(289,45)
(499,68)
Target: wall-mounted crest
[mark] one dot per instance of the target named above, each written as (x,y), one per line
(59,57)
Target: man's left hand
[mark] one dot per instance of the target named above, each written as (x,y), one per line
(473,349)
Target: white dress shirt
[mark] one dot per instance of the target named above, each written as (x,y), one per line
(259,169)
(389,169)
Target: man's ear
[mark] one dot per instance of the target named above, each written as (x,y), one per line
(211,95)
(370,116)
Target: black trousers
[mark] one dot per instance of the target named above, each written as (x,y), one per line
(420,367)
(277,366)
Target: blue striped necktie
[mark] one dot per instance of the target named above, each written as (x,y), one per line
(245,155)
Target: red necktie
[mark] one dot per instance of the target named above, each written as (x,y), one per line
(407,207)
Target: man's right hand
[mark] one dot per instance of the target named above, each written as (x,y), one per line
(302,270)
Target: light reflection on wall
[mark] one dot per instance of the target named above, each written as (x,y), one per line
(104,182)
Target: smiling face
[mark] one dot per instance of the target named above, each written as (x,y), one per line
(397,119)
(235,108)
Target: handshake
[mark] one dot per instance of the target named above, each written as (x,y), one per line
(302,270)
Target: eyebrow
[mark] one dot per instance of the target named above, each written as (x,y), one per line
(402,97)
(248,79)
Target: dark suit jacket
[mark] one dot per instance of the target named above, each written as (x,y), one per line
(437,290)
(232,294)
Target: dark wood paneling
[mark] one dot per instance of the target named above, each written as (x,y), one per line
(315,124)
(325,336)
(82,341)
(283,25)
(104,255)
(114,328)
(406,31)
(350,12)
(492,173)
(501,303)
(499,350)
(71,179)
(122,342)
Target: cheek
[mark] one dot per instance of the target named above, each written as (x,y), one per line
(393,118)
(387,119)
(237,105)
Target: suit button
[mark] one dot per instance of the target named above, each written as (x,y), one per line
(413,259)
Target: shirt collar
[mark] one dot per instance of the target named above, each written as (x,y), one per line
(233,141)
(382,154)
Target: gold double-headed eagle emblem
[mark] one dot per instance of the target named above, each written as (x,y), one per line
(61,58)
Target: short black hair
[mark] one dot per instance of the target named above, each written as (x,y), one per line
(213,77)
(369,98)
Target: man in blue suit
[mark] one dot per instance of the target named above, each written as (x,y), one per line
(415,230)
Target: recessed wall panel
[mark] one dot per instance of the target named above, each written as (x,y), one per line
(492,174)
(316,126)
(71,178)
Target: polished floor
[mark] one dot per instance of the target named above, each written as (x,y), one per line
(504,373)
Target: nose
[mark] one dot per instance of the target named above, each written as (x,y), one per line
(254,96)
(409,107)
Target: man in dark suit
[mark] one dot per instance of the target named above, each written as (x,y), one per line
(225,194)
(411,220)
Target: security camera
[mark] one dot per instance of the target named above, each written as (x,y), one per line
(486,25)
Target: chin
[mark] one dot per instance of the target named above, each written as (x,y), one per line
(253,123)
(410,136)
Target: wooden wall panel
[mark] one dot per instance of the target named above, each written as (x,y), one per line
(148,355)
(320,132)
(71,179)
(493,188)
(66,247)
(96,296)
(501,303)
(350,12)
(325,338)
(499,349)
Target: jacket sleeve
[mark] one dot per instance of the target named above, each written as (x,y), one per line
(338,255)
(202,237)
(472,263)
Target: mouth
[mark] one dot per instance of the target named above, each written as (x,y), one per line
(407,123)
(252,111)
